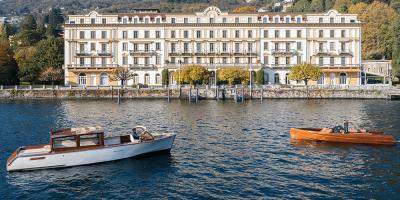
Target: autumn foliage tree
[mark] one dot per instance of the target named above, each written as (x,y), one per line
(51,74)
(305,72)
(232,74)
(192,73)
(246,9)
(8,66)
(24,55)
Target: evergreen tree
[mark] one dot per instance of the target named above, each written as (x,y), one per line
(260,77)
(396,46)
(29,24)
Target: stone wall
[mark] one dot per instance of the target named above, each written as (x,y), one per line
(203,93)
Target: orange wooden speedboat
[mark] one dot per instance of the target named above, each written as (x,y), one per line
(354,136)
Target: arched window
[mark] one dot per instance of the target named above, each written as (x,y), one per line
(103,78)
(321,80)
(342,78)
(158,79)
(146,79)
(135,79)
(82,79)
(276,78)
(287,81)
(266,78)
(92,79)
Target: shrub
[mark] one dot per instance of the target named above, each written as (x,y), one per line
(164,77)
(260,77)
(373,56)
(360,91)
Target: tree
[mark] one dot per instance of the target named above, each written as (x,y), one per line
(378,19)
(192,73)
(6,57)
(6,30)
(50,32)
(358,8)
(24,55)
(231,74)
(373,56)
(9,75)
(164,77)
(396,6)
(51,74)
(8,66)
(343,8)
(260,77)
(30,23)
(122,74)
(305,72)
(300,6)
(246,9)
(396,46)
(339,3)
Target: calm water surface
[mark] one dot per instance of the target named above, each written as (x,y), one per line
(224,150)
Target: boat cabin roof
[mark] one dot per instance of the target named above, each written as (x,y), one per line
(76,131)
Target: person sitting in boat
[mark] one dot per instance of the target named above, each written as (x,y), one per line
(338,128)
(134,135)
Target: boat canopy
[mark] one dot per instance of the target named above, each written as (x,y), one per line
(76,131)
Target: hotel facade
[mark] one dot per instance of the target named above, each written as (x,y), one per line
(148,42)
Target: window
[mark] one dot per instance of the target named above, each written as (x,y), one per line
(103,78)
(81,47)
(265,60)
(185,60)
(211,20)
(342,20)
(198,60)
(321,61)
(82,61)
(276,78)
(237,20)
(320,20)
(224,47)
(287,81)
(82,34)
(287,60)
(276,34)
(224,20)
(92,34)
(103,47)
(211,34)
(185,20)
(321,33)
(352,21)
(124,20)
(103,34)
(146,78)
(173,60)
(158,20)
(249,34)
(135,78)
(173,20)
(343,33)
(331,20)
(82,21)
(224,34)
(157,60)
(298,33)
(146,47)
(265,20)
(343,46)
(135,47)
(237,50)
(266,78)
(237,34)
(332,46)
(146,34)
(135,20)
(104,21)
(185,47)
(298,45)
(276,60)
(342,78)
(124,34)
(298,19)
(321,80)
(198,20)
(298,59)
(157,46)
(124,60)
(135,61)
(173,47)
(332,61)
(198,47)
(172,34)
(249,60)
(265,45)
(211,47)
(135,34)
(103,61)
(146,61)
(158,79)
(250,46)
(198,34)
(237,60)
(276,19)
(146,20)
(92,63)
(249,20)
(81,79)
(224,60)
(265,34)
(287,33)
(124,46)
(287,19)
(92,46)
(211,60)
(92,21)
(343,60)
(157,33)
(332,33)
(276,46)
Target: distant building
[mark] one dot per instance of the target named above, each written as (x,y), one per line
(278,4)
(263,9)
(375,70)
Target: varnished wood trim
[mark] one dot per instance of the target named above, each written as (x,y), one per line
(38,158)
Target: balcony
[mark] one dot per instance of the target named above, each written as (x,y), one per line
(186,52)
(217,65)
(141,52)
(251,51)
(283,51)
(344,52)
(199,52)
(82,53)
(238,52)
(225,52)
(339,66)
(281,66)
(211,52)
(90,66)
(173,52)
(104,53)
(321,51)
(141,66)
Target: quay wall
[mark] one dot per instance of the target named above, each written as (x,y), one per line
(202,93)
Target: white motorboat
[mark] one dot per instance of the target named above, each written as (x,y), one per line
(87,145)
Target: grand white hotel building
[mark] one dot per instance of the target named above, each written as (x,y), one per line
(147,42)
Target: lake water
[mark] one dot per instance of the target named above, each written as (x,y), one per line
(223,150)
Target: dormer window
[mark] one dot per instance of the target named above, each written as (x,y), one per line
(342,20)
(287,19)
(331,20)
(276,19)
(146,20)
(185,20)
(298,19)
(211,20)
(320,20)
(92,21)
(135,20)
(198,20)
(265,20)
(158,20)
(104,21)
(125,20)
(82,21)
(224,20)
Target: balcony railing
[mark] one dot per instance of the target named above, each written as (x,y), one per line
(251,51)
(339,66)
(344,51)
(218,65)
(283,51)
(281,65)
(225,51)
(238,51)
(141,66)
(321,51)
(211,51)
(199,51)
(173,51)
(103,52)
(142,51)
(91,66)
(82,52)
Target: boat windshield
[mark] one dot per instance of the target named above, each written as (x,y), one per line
(64,142)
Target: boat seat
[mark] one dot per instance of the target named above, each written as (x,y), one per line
(326,130)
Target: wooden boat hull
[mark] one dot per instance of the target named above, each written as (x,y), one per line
(358,138)
(90,156)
